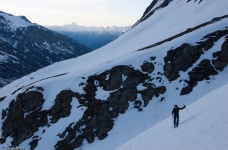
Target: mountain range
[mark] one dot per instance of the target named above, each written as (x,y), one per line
(26,47)
(93,37)
(121,96)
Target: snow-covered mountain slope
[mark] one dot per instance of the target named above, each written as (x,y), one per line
(14,22)
(26,47)
(202,126)
(105,98)
(93,37)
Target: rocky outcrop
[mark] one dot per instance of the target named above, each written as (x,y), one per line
(183,57)
(199,73)
(180,59)
(98,118)
(221,57)
(24,117)
(62,106)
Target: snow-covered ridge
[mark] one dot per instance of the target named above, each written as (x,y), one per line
(16,21)
(73,27)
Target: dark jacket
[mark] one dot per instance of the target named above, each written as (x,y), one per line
(176,110)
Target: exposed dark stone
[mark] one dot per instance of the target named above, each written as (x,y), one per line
(33,144)
(162,99)
(2,98)
(148,67)
(186,90)
(4,113)
(148,93)
(115,78)
(180,59)
(22,127)
(31,100)
(134,79)
(40,88)
(62,106)
(160,90)
(137,104)
(98,118)
(221,60)
(199,73)
(152,58)
(209,40)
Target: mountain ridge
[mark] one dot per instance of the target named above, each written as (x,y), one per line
(73,27)
(93,37)
(27,47)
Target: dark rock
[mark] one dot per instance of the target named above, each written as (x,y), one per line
(40,88)
(22,127)
(31,100)
(175,58)
(209,40)
(62,106)
(199,73)
(152,58)
(186,90)
(147,67)
(221,60)
(137,104)
(4,113)
(147,95)
(33,144)
(2,98)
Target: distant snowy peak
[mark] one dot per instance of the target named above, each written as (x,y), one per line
(14,22)
(73,27)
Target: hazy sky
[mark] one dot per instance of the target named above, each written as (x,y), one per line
(83,12)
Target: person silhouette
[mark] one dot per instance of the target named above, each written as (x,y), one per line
(175,114)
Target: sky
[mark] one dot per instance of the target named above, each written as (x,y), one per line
(82,12)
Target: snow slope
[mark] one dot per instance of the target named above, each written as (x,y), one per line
(203,125)
(154,121)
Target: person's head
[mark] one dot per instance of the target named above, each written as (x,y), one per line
(175,106)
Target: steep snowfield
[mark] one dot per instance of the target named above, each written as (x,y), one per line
(203,125)
(154,122)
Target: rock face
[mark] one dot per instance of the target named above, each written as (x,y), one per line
(180,59)
(24,115)
(183,57)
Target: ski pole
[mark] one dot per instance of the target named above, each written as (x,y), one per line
(188,111)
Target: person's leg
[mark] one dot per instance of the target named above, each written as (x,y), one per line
(177,121)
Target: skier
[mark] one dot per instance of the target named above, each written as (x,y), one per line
(175,114)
